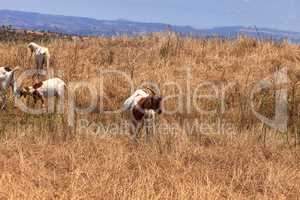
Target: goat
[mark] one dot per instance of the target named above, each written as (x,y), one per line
(54,87)
(41,55)
(142,106)
(6,80)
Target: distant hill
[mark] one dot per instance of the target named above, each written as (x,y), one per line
(93,27)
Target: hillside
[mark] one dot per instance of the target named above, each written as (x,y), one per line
(81,25)
(88,26)
(41,157)
(196,152)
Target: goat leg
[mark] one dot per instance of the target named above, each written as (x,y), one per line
(3,102)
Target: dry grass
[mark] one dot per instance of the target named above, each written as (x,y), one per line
(37,163)
(177,167)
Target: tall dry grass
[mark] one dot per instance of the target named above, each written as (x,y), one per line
(36,162)
(178,167)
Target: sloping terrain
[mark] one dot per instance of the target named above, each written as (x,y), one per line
(88,26)
(42,158)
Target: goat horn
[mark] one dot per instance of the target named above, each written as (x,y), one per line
(151,90)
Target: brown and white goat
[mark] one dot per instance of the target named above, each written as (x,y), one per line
(54,87)
(142,106)
(6,80)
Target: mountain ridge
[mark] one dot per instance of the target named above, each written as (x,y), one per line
(95,27)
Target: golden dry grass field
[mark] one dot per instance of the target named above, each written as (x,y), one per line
(42,157)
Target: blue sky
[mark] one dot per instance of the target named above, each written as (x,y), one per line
(280,14)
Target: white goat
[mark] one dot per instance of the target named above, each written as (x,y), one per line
(54,87)
(41,55)
(142,106)
(6,80)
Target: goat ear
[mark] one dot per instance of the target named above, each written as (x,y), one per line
(137,113)
(37,85)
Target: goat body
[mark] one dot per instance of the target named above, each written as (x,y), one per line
(142,106)
(54,87)
(6,80)
(41,54)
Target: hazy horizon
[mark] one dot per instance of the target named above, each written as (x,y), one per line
(276,14)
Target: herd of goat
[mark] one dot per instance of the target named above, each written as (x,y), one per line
(142,105)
